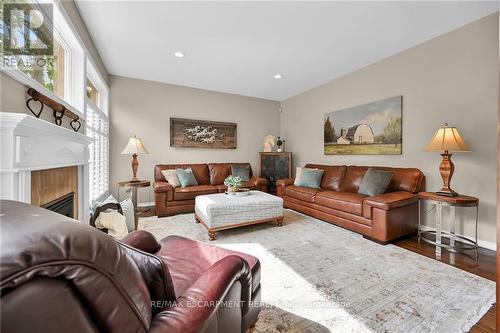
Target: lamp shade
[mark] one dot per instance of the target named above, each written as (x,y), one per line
(447,139)
(135,146)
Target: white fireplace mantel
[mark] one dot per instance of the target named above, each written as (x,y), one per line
(28,144)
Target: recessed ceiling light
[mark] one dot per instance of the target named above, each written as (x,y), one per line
(278,76)
(179,54)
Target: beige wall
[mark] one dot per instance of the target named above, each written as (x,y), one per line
(452,78)
(143,108)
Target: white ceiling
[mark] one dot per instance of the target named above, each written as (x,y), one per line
(238,47)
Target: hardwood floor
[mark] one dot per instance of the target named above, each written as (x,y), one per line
(485,267)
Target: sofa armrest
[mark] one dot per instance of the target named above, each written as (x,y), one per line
(142,240)
(285,182)
(193,310)
(388,201)
(281,184)
(257,181)
(162,186)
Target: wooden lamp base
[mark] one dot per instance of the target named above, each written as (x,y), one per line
(446,169)
(135,166)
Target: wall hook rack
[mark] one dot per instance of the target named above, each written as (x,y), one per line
(59,110)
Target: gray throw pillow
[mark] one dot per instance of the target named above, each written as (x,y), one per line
(186,177)
(375,182)
(310,178)
(242,171)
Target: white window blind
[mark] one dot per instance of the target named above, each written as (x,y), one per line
(98,129)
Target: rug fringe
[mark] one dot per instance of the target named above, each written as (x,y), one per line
(474,320)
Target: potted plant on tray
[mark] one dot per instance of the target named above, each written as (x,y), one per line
(233,183)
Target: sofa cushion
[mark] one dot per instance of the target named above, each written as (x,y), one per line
(301,193)
(188,193)
(219,172)
(220,188)
(333,176)
(187,260)
(250,185)
(343,201)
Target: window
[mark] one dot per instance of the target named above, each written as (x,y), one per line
(97,127)
(58,76)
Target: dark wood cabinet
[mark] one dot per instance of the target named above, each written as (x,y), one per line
(274,166)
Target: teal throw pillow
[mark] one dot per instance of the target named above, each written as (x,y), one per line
(310,178)
(186,177)
(242,171)
(375,182)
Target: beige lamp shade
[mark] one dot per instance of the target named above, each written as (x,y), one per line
(447,139)
(135,146)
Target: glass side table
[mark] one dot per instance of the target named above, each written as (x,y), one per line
(133,186)
(439,202)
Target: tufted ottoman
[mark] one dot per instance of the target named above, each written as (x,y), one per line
(221,211)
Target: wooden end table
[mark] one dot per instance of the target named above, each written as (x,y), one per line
(134,186)
(439,201)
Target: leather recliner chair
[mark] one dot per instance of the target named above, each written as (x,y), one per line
(59,275)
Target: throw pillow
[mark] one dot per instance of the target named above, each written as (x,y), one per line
(128,212)
(375,182)
(127,209)
(298,172)
(114,222)
(242,171)
(171,177)
(310,178)
(186,177)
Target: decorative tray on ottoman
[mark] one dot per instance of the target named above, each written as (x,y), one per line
(243,192)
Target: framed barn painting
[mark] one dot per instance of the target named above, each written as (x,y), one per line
(369,129)
(202,134)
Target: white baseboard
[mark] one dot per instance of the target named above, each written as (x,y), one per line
(481,243)
(487,245)
(145,204)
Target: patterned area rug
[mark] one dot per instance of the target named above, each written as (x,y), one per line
(317,277)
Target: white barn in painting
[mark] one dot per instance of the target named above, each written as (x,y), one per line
(361,133)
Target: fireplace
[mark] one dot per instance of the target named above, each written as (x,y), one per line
(63,205)
(41,162)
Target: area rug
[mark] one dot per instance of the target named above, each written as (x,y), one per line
(317,277)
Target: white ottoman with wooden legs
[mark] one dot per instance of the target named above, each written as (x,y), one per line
(221,211)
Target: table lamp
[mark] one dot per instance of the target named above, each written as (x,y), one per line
(135,147)
(447,139)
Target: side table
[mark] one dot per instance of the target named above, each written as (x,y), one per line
(439,201)
(134,186)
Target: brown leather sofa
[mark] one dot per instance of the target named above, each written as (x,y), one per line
(59,275)
(382,218)
(210,178)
